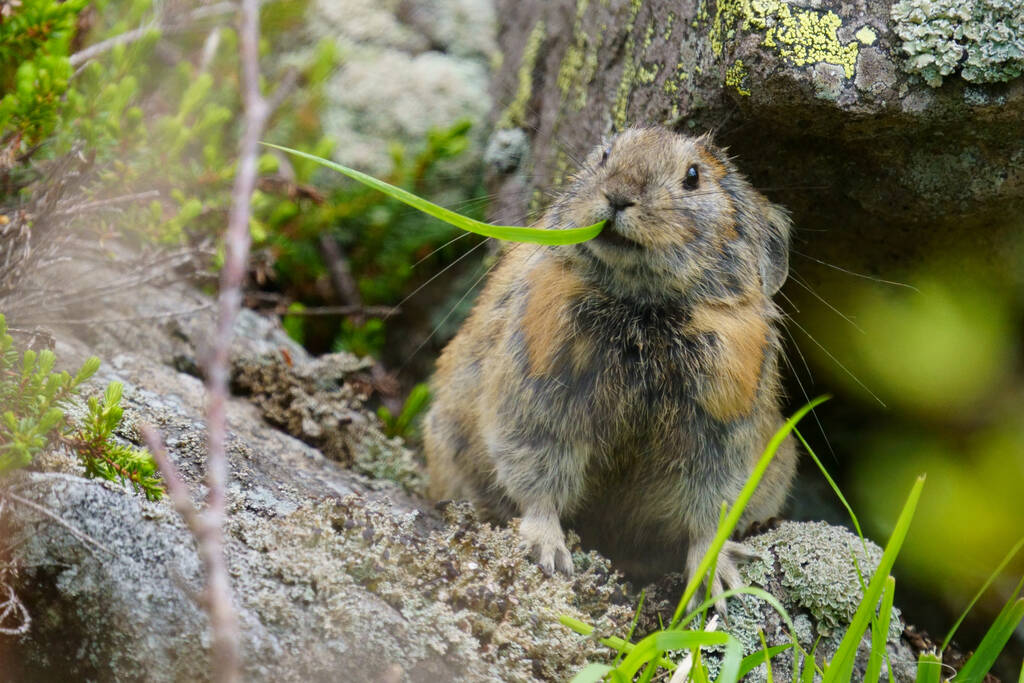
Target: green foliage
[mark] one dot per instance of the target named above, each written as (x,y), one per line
(149,124)
(35,399)
(35,41)
(381,238)
(402,424)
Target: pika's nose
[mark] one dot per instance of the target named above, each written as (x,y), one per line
(618,201)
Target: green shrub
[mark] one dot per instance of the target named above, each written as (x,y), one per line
(35,39)
(34,400)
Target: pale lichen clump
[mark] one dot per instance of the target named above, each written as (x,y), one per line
(983,39)
(801,36)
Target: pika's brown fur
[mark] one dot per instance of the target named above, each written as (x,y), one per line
(625,386)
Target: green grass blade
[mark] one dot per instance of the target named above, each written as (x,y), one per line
(732,519)
(657,643)
(731,662)
(510,233)
(842,664)
(991,577)
(1020,679)
(994,641)
(632,629)
(768,675)
(929,668)
(613,642)
(880,632)
(752,661)
(591,673)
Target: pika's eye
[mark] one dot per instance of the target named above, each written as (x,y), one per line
(692,179)
(605,154)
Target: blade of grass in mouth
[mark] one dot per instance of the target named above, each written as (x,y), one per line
(510,233)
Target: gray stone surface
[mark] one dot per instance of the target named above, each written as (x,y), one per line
(824,104)
(337,576)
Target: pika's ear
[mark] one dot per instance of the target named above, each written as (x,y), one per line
(773,259)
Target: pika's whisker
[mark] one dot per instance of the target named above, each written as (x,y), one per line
(446,244)
(798,280)
(855,274)
(437,275)
(455,306)
(835,360)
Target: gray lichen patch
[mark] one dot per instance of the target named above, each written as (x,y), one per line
(468,587)
(811,568)
(982,39)
(322,402)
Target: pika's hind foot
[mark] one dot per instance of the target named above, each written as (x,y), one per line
(543,537)
(727,574)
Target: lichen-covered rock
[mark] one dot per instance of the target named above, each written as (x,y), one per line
(811,568)
(983,39)
(322,401)
(818,101)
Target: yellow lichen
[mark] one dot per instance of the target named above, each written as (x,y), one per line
(629,70)
(580,61)
(515,114)
(866,35)
(736,76)
(801,36)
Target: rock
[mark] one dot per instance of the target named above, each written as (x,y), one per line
(830,107)
(336,576)
(808,568)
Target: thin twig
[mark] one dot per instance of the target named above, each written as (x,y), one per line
(341,274)
(13,603)
(176,489)
(129,37)
(237,241)
(180,313)
(100,203)
(208,527)
(344,310)
(80,535)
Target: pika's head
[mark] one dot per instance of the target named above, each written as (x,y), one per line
(681,220)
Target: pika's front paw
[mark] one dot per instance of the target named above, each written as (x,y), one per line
(543,538)
(727,574)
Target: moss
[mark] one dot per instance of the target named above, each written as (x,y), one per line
(982,39)
(515,114)
(801,36)
(736,76)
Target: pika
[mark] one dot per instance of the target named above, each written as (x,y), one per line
(625,386)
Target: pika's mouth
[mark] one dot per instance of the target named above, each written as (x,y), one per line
(611,237)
